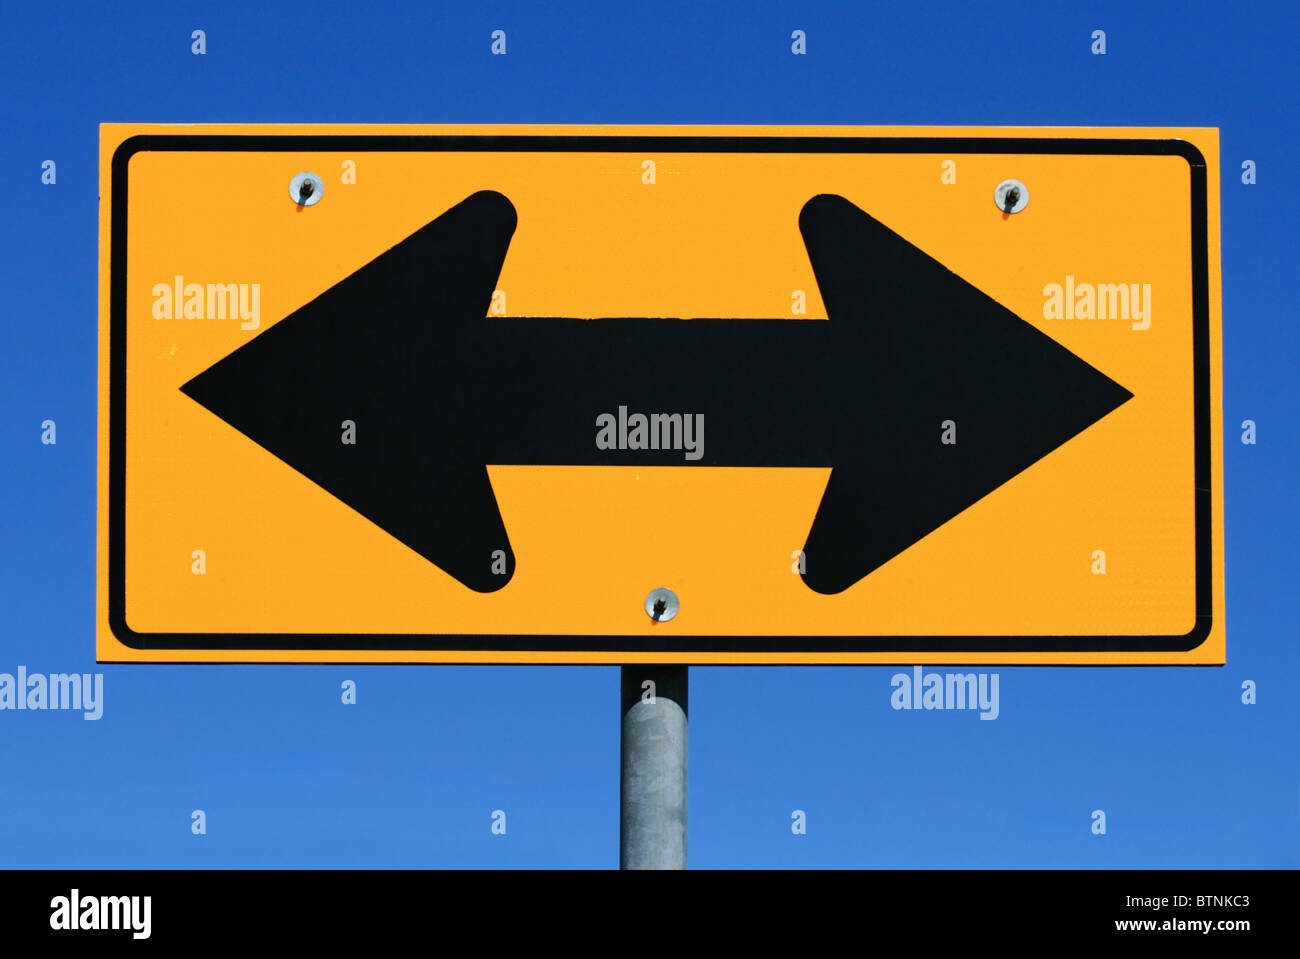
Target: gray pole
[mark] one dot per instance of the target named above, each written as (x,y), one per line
(652,785)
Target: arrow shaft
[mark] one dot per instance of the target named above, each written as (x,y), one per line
(750,392)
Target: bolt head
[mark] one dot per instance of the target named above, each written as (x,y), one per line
(661,604)
(306,189)
(1011,196)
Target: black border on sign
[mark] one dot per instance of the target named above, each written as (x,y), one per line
(911,648)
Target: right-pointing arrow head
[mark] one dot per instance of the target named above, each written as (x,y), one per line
(926,347)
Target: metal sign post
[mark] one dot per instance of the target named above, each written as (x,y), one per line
(652,782)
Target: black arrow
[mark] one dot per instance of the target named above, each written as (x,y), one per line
(439,391)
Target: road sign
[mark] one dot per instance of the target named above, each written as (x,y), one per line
(472,394)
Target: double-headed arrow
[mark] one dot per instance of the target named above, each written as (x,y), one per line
(439,391)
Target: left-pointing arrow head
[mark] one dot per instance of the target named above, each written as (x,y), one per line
(359,351)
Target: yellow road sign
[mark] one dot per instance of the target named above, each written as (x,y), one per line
(472,394)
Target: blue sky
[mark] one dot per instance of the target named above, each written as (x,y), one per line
(1188,775)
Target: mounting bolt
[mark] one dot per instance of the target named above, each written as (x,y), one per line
(661,604)
(306,188)
(1011,196)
